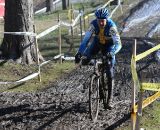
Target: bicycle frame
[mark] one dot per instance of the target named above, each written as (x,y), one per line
(100,66)
(97,89)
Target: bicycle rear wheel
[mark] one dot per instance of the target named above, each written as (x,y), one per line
(94,97)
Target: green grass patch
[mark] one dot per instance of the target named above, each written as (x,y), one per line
(49,73)
(10,71)
(150,119)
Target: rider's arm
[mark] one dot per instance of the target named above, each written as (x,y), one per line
(116,39)
(86,39)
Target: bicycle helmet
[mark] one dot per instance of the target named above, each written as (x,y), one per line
(102,13)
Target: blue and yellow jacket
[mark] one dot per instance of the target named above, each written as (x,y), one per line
(102,36)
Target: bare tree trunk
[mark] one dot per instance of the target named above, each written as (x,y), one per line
(64,4)
(68,3)
(49,5)
(19,18)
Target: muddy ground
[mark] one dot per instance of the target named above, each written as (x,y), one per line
(64,105)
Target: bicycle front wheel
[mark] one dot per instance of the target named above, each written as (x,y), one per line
(94,97)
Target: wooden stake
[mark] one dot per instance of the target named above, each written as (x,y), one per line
(133,90)
(88,20)
(84,21)
(80,24)
(60,40)
(36,46)
(139,112)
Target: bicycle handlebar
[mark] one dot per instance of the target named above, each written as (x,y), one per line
(95,58)
(100,56)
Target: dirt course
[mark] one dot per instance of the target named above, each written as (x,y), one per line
(64,106)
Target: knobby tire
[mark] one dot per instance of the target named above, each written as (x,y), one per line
(94,98)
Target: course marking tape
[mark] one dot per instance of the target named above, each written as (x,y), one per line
(20,33)
(144,54)
(148,100)
(47,31)
(151,86)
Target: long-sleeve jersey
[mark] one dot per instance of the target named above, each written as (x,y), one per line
(109,31)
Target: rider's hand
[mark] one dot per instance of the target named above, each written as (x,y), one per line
(110,54)
(78,57)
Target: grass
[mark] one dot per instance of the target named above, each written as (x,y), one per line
(49,47)
(49,73)
(12,71)
(150,119)
(47,20)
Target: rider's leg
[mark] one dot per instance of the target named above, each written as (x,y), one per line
(110,92)
(110,75)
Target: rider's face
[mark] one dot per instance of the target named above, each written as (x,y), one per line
(102,22)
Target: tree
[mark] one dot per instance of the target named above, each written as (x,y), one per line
(65,4)
(68,3)
(19,18)
(49,5)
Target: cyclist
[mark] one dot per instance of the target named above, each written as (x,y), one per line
(105,39)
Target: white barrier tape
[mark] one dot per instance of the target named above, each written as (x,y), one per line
(47,31)
(31,76)
(114,11)
(58,56)
(76,19)
(20,33)
(44,63)
(76,11)
(56,26)
(104,7)
(43,10)
(55,2)
(28,77)
(22,80)
(66,24)
(106,4)
(74,22)
(63,57)
(68,58)
(83,33)
(4,83)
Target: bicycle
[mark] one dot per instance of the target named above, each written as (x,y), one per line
(98,85)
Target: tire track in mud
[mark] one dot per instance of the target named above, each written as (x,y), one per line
(64,106)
